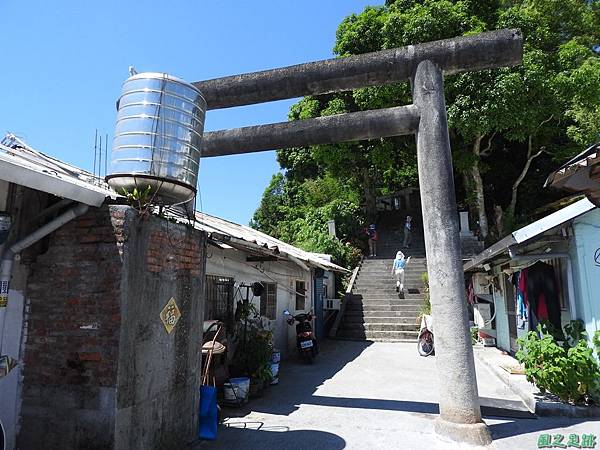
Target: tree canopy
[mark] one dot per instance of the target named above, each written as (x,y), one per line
(509,127)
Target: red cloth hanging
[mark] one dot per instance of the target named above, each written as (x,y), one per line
(523,286)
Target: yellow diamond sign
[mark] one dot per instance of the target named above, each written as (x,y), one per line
(170,315)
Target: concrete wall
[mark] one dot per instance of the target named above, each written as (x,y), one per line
(586,269)
(232,263)
(100,370)
(159,372)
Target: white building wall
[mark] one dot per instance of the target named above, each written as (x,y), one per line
(10,386)
(232,263)
(586,269)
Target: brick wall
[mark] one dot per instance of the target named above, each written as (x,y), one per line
(100,371)
(73,322)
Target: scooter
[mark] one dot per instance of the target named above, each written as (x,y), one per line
(306,343)
(425,344)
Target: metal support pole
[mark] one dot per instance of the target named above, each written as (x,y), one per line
(460,415)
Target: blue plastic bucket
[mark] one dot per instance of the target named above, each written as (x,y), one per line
(236,391)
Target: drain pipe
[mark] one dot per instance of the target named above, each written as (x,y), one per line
(9,255)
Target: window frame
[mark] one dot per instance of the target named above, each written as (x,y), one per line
(268,300)
(219,288)
(299,296)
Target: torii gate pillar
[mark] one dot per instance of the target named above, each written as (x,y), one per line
(460,416)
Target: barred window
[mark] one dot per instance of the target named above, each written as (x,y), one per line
(219,298)
(300,295)
(268,300)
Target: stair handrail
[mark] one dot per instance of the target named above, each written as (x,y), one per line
(338,318)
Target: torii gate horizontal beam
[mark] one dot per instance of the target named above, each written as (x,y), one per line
(489,50)
(356,126)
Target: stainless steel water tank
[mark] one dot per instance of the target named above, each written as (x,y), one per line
(160,121)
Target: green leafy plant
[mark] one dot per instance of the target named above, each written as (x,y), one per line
(474,335)
(139,199)
(568,368)
(426,307)
(264,373)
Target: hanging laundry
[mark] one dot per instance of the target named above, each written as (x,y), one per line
(520,301)
(542,295)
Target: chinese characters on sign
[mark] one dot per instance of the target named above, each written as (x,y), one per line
(573,441)
(170,315)
(4,294)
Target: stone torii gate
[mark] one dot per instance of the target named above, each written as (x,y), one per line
(424,64)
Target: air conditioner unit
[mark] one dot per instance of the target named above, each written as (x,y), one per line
(331,303)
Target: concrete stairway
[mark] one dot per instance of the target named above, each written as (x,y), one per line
(375,310)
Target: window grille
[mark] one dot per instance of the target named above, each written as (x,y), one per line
(219,298)
(300,295)
(268,301)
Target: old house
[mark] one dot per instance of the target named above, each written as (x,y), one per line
(101,307)
(293,279)
(555,260)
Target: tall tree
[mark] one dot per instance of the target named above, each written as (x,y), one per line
(505,124)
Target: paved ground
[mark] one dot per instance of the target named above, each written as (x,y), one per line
(361,395)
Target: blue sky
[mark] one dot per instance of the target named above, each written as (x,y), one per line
(63,64)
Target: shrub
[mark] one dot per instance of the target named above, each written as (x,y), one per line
(567,369)
(426,308)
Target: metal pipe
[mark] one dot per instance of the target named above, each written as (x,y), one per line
(9,255)
(356,126)
(489,50)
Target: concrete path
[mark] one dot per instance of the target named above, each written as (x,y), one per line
(361,395)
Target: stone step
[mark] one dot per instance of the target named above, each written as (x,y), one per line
(374,327)
(387,270)
(393,300)
(384,307)
(389,293)
(386,300)
(387,336)
(350,315)
(386,282)
(400,320)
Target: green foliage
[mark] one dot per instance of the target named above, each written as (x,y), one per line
(550,104)
(253,344)
(252,356)
(298,211)
(138,198)
(426,308)
(569,369)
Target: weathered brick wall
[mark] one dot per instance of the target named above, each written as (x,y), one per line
(100,369)
(73,324)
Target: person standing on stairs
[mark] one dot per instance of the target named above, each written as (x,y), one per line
(407,232)
(372,233)
(398,267)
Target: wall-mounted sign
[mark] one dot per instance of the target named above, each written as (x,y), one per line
(170,315)
(3,294)
(597,257)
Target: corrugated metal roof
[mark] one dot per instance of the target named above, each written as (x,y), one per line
(581,160)
(212,224)
(21,164)
(530,231)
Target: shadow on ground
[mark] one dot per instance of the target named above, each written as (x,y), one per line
(304,378)
(255,436)
(519,427)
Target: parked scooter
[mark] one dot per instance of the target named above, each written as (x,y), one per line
(305,341)
(425,340)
